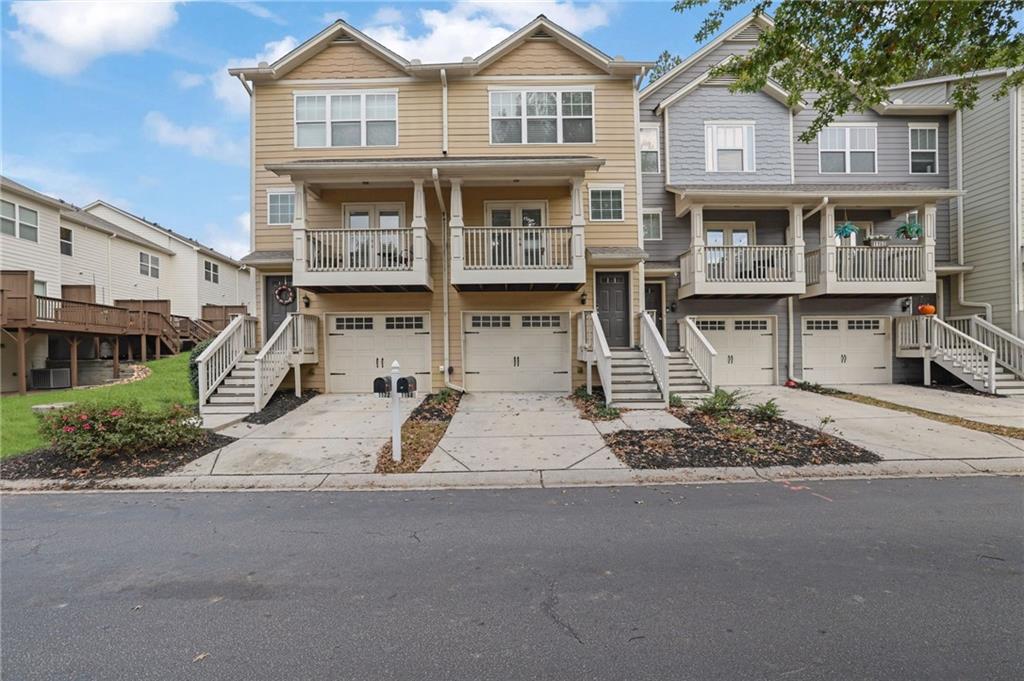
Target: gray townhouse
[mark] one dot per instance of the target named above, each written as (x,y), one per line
(771,259)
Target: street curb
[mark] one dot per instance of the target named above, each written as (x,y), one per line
(928,468)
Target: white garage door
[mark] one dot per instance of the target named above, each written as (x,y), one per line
(847,350)
(516,351)
(362,346)
(745,347)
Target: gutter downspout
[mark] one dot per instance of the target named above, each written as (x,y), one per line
(1015,217)
(824,202)
(444,282)
(960,300)
(791,354)
(444,122)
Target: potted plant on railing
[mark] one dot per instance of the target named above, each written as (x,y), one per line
(846,230)
(910,231)
(877,240)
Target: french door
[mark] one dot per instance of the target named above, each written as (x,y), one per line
(507,244)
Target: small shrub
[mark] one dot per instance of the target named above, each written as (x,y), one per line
(606,413)
(193,368)
(443,395)
(721,402)
(675,400)
(94,431)
(816,388)
(766,411)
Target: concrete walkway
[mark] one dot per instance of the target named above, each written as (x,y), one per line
(1000,411)
(328,434)
(530,432)
(893,435)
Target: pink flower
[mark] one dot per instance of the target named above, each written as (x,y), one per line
(87,426)
(83,416)
(116,413)
(69,429)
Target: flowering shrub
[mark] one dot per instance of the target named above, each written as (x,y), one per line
(92,431)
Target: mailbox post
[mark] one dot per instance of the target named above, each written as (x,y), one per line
(396,414)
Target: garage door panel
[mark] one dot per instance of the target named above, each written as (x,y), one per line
(362,347)
(516,352)
(745,348)
(853,350)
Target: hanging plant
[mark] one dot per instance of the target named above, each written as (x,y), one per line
(846,229)
(909,231)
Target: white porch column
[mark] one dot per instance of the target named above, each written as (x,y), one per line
(577,202)
(928,214)
(455,223)
(697,257)
(576,221)
(299,229)
(419,205)
(795,238)
(828,250)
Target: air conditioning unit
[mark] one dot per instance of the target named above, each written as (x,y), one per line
(45,379)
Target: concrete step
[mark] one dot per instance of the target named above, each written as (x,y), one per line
(1010,391)
(230,400)
(638,404)
(634,393)
(227,409)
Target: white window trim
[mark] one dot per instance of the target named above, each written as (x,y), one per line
(149,265)
(211,272)
(279,190)
(661,224)
(70,241)
(590,202)
(846,150)
(374,210)
(727,227)
(18,222)
(657,128)
(517,210)
(327,94)
(558,114)
(711,158)
(911,127)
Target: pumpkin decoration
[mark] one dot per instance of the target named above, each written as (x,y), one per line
(926,309)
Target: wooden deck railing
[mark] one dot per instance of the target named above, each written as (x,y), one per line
(73,315)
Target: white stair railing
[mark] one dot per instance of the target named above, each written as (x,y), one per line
(294,343)
(698,349)
(1009,348)
(220,356)
(656,352)
(974,357)
(603,357)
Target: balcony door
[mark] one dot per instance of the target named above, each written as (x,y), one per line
(375,241)
(723,261)
(513,247)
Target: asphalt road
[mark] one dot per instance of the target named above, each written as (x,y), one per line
(894,579)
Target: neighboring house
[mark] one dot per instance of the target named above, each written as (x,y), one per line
(194,275)
(455,217)
(992,210)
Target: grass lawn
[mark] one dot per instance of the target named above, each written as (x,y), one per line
(168,384)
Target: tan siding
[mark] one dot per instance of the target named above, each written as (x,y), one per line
(344,61)
(541,58)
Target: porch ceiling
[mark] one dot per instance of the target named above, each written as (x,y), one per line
(784,195)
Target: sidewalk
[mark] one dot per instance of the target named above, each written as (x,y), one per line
(999,411)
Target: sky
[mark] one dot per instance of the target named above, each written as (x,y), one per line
(130,102)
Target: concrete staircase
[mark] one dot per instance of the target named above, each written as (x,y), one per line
(236,394)
(633,380)
(1008,383)
(684,379)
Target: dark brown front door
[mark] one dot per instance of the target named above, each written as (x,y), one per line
(276,311)
(653,303)
(613,307)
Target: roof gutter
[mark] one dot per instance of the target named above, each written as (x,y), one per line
(245,84)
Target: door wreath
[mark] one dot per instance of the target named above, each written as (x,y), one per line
(284,294)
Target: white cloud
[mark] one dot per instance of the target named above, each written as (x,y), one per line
(233,242)
(62,38)
(229,91)
(331,17)
(187,81)
(59,182)
(258,11)
(462,29)
(198,140)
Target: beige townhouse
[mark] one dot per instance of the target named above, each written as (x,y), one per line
(456,217)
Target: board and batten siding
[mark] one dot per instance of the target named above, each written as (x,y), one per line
(42,256)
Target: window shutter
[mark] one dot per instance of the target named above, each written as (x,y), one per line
(748,148)
(709,148)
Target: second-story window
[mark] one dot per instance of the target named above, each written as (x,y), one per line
(211,272)
(650,149)
(729,146)
(280,206)
(66,245)
(356,119)
(847,149)
(924,149)
(652,225)
(149,265)
(542,116)
(606,204)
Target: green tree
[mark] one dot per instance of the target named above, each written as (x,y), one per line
(849,53)
(666,62)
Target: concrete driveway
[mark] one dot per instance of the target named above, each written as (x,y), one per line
(328,434)
(522,431)
(1000,411)
(891,434)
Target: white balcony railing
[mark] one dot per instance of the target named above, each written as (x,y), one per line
(508,255)
(894,269)
(741,269)
(362,257)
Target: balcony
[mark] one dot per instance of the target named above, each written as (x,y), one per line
(889,270)
(333,260)
(741,270)
(518,258)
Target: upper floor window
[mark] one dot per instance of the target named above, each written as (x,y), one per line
(652,225)
(39,288)
(357,119)
(924,149)
(606,204)
(149,265)
(542,116)
(211,272)
(729,146)
(847,149)
(650,149)
(280,206)
(19,221)
(66,246)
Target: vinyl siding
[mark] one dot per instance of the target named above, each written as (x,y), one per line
(89,262)
(344,61)
(697,69)
(541,57)
(934,93)
(232,288)
(41,256)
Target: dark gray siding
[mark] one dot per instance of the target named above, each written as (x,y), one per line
(933,93)
(686,119)
(698,68)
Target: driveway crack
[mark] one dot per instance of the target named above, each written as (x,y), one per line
(549,606)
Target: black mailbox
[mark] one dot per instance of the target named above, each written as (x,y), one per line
(403,386)
(382,386)
(411,384)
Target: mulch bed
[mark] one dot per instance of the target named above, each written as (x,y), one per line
(421,432)
(592,407)
(733,439)
(48,463)
(279,405)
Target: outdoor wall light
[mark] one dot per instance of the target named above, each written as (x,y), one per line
(905,304)
(583,298)
(672,307)
(305,301)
